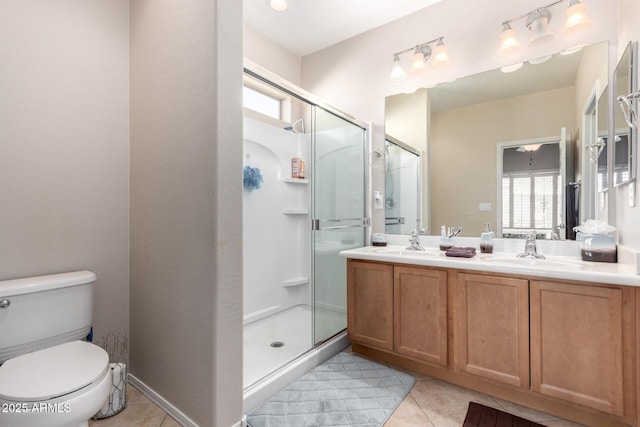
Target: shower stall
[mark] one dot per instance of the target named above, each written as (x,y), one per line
(304,201)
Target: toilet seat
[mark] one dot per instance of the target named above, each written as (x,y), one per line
(52,372)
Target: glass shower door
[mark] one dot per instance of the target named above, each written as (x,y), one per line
(339,215)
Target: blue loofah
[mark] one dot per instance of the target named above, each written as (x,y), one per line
(252,178)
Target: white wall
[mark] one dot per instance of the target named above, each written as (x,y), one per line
(354,75)
(186,204)
(271,56)
(64,146)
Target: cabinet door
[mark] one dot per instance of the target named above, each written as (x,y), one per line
(491,321)
(370,304)
(576,344)
(420,319)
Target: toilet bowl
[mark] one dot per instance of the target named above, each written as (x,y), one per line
(59,386)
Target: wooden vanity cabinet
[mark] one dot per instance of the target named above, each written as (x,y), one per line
(370,303)
(491,318)
(563,347)
(401,309)
(420,314)
(582,343)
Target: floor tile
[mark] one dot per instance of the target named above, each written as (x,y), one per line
(135,397)
(170,422)
(408,414)
(139,415)
(446,404)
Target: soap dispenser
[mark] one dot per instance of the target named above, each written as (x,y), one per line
(486,239)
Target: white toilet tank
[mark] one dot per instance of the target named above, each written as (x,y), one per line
(39,312)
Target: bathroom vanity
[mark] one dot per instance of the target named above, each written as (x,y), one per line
(558,335)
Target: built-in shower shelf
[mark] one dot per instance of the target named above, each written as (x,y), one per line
(295,211)
(295,181)
(296,281)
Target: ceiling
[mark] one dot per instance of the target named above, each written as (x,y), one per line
(311,25)
(557,72)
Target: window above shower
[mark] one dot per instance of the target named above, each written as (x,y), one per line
(266,103)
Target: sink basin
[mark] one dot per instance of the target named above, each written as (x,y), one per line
(533,262)
(389,251)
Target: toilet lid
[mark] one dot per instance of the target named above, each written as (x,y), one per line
(52,372)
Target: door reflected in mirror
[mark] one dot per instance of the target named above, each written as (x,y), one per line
(403,190)
(623,148)
(532,193)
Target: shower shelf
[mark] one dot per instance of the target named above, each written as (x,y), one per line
(295,211)
(296,281)
(295,181)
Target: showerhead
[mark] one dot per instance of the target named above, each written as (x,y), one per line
(292,127)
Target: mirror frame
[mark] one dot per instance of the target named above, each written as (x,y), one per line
(630,55)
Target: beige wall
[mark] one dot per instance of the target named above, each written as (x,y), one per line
(271,56)
(463,158)
(354,74)
(186,158)
(64,146)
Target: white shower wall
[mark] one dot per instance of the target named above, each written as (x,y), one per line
(276,223)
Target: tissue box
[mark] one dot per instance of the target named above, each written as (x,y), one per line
(598,248)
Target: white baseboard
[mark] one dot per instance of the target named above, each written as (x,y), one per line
(178,415)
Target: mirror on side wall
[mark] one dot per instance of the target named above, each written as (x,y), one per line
(624,138)
(465,121)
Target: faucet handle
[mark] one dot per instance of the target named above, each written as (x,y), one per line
(423,231)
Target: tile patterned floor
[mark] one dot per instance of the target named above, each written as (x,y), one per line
(430,403)
(140,412)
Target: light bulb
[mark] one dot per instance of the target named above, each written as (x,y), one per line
(577,19)
(508,43)
(417,62)
(278,5)
(538,22)
(440,55)
(397,72)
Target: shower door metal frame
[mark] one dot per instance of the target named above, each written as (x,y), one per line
(260,73)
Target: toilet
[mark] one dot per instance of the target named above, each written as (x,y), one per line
(49,375)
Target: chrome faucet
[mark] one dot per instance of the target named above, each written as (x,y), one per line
(414,240)
(530,247)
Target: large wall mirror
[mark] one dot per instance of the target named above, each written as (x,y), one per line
(624,138)
(466,120)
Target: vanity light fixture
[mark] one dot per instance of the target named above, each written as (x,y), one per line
(278,5)
(421,55)
(577,19)
(537,21)
(508,41)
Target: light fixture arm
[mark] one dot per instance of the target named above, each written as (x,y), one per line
(421,45)
(526,15)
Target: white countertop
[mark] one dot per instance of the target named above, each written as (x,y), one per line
(553,267)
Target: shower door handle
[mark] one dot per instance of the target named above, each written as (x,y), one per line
(316,224)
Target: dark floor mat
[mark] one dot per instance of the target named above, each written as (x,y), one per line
(482,416)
